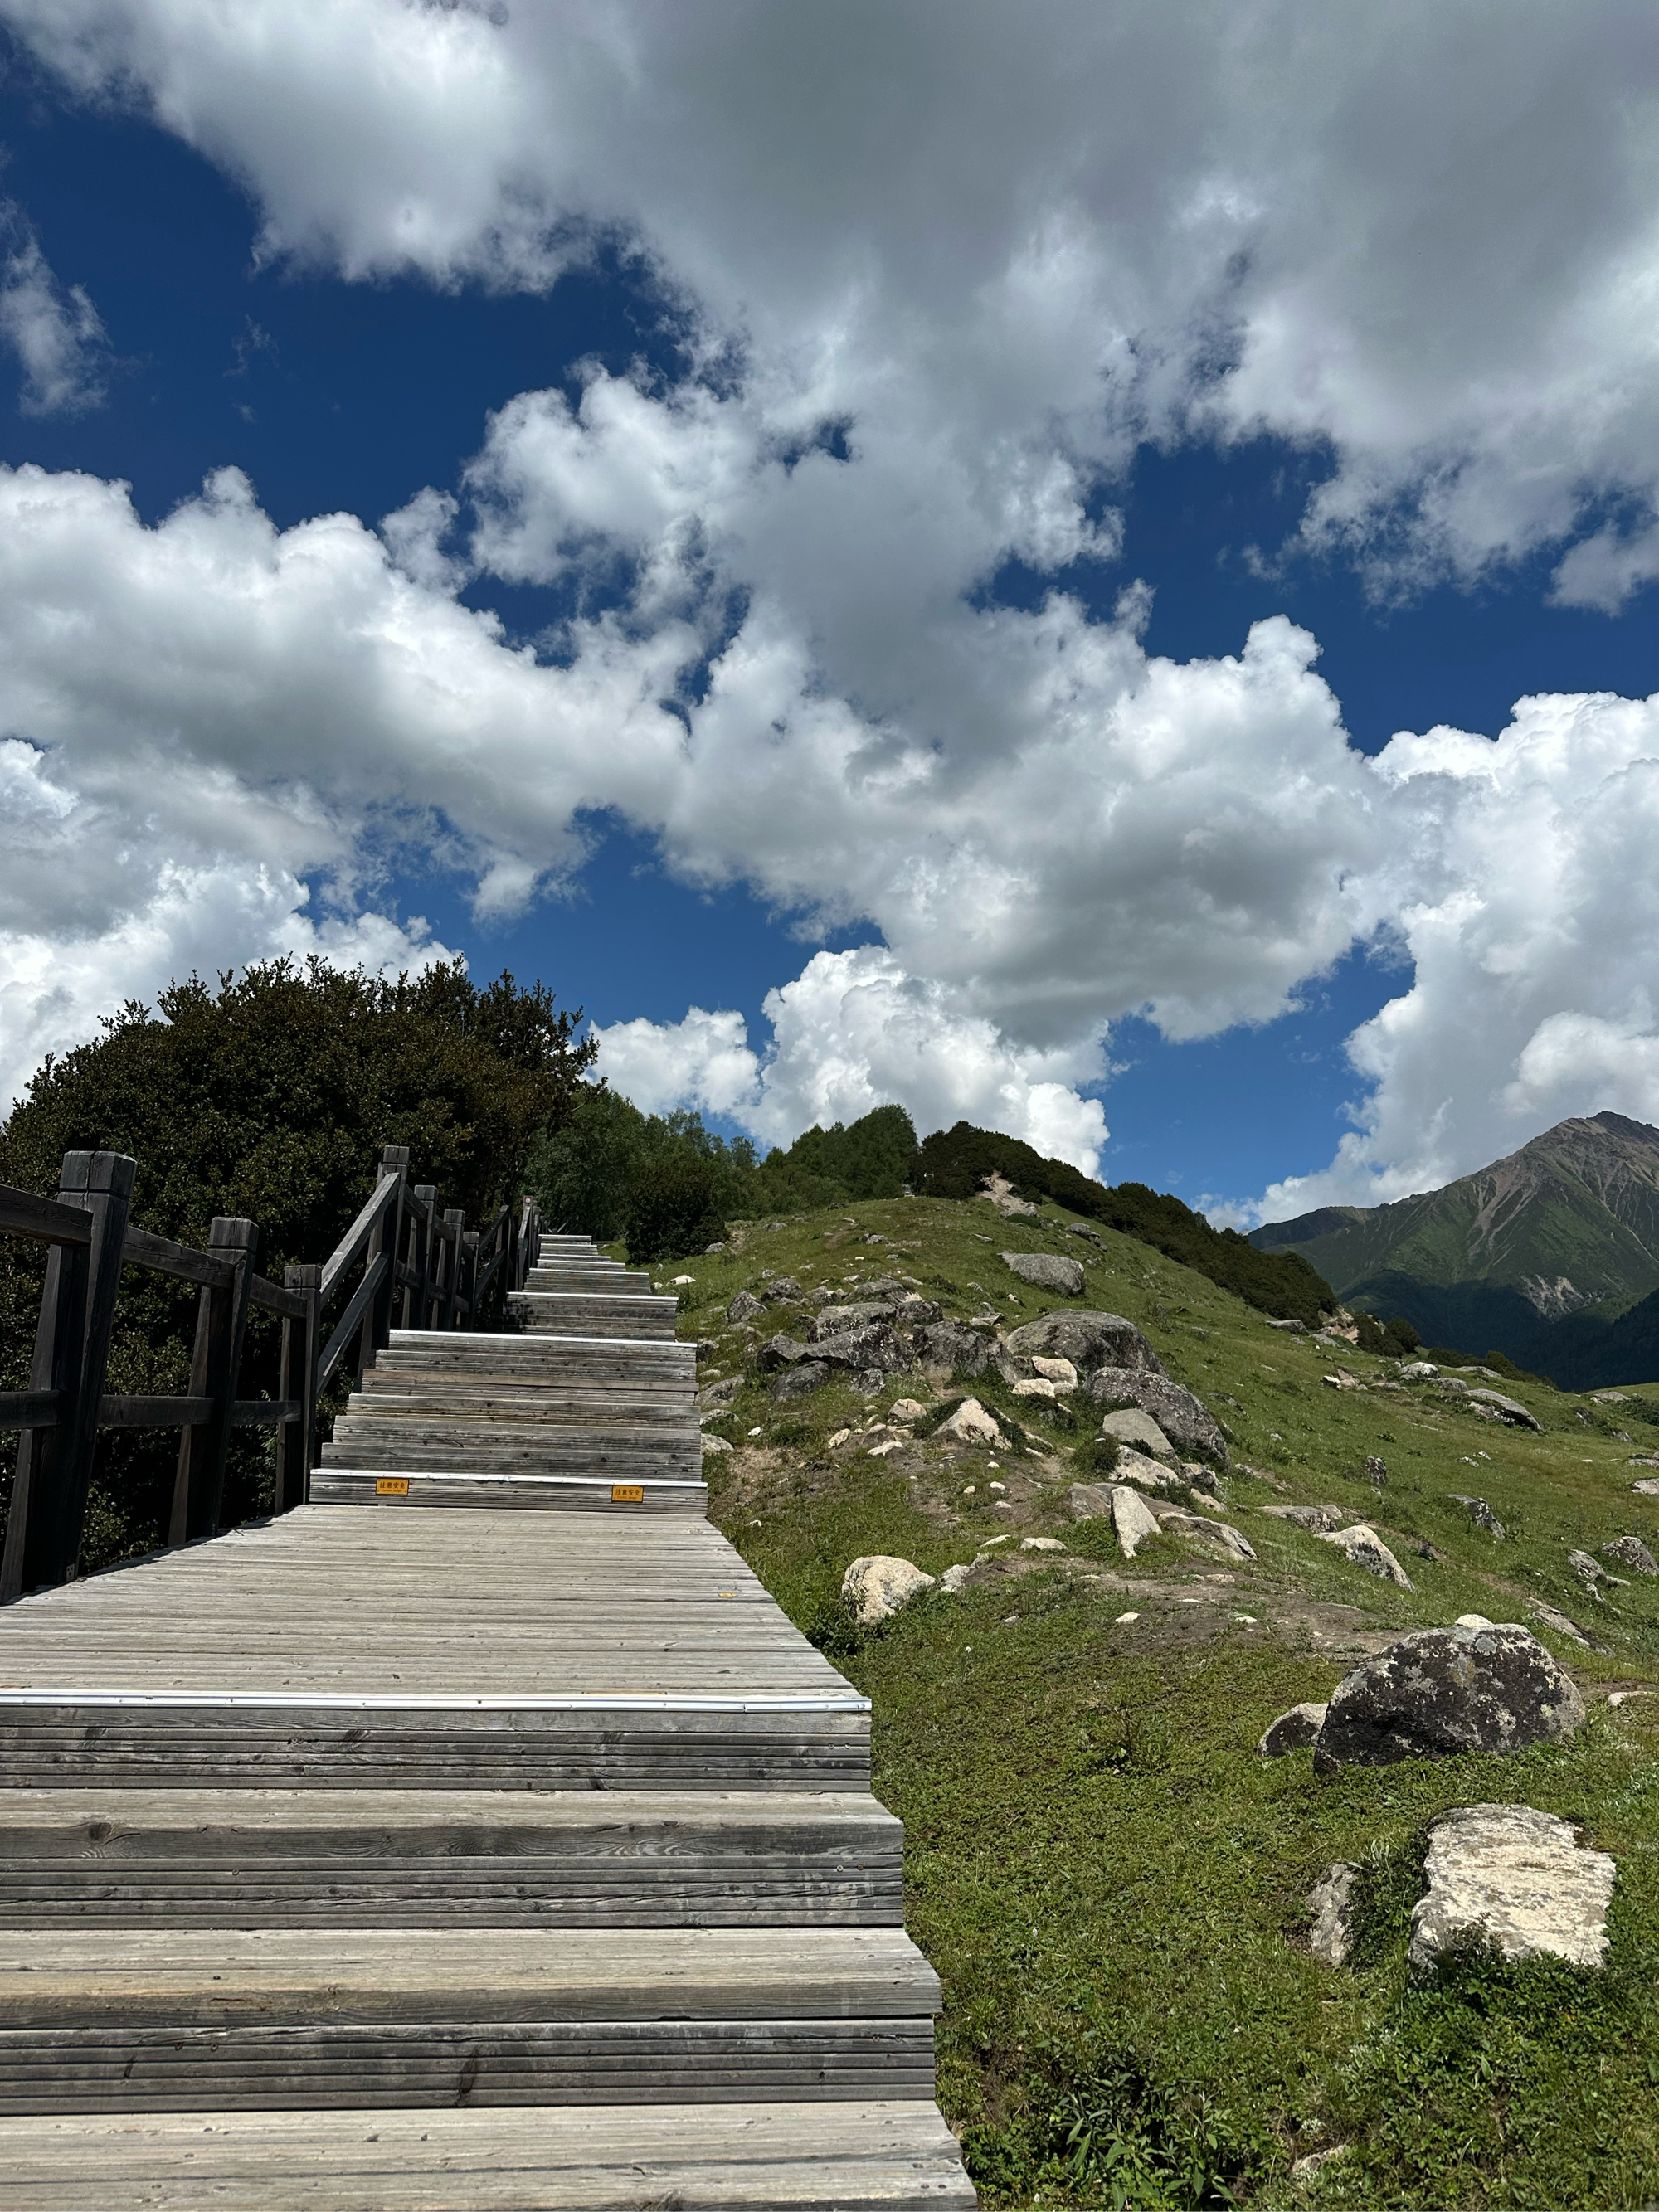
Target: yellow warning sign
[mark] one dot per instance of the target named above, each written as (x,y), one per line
(391,1485)
(626,1493)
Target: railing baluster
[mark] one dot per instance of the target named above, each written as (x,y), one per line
(220,1316)
(455,1217)
(296,1446)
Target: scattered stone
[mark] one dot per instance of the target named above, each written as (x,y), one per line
(1322,1519)
(1082,1229)
(719,1394)
(1088,1501)
(714,1444)
(839,1437)
(1001,1194)
(1331,1899)
(1036,1386)
(1304,2171)
(1343,1381)
(835,1321)
(1418,1371)
(1041,1544)
(957,1349)
(1610,1397)
(1472,1620)
(906,1410)
(1089,1341)
(991,1543)
(1048,1271)
(1132,1520)
(1548,1617)
(1000,1505)
(1146,1473)
(780,1351)
(1365,1548)
(1632,1551)
(743,1307)
(1132,1426)
(1514,1877)
(1292,1731)
(1061,1372)
(999,1487)
(1219,1533)
(971,1424)
(1507,1409)
(883,1451)
(1617,1698)
(1377,1469)
(709,1250)
(1293,1327)
(1648,1487)
(1123,1619)
(1442,1690)
(1480,1512)
(952,1579)
(1185,1420)
(876,1587)
(680,1281)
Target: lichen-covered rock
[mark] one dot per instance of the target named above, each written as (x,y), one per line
(1146,1473)
(1292,1731)
(1442,1690)
(1041,1544)
(1632,1551)
(971,1424)
(1220,1535)
(1189,1424)
(783,1291)
(835,1321)
(1331,1909)
(1507,1409)
(1132,1520)
(743,1307)
(1130,1426)
(861,1349)
(959,1351)
(800,1381)
(1089,1341)
(780,1351)
(1480,1512)
(1517,1880)
(1089,1501)
(877,1586)
(1365,1548)
(952,1581)
(1320,1519)
(1048,1271)
(1061,1372)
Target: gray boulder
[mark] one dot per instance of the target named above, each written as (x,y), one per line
(1132,1426)
(1132,1520)
(1480,1512)
(1292,1731)
(1331,1903)
(860,1349)
(1189,1424)
(835,1321)
(778,1351)
(1089,1501)
(1509,1409)
(743,1307)
(800,1381)
(875,1586)
(1364,1547)
(947,1344)
(783,1291)
(1442,1690)
(1320,1519)
(1048,1271)
(1089,1341)
(1632,1551)
(1218,1536)
(1513,1879)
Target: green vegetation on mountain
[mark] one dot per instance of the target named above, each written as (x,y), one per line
(1109,1881)
(1539,1254)
(269,1098)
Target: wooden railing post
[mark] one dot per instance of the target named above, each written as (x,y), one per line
(220,1317)
(71,1351)
(425,1210)
(453,1217)
(471,1269)
(296,1446)
(388,1237)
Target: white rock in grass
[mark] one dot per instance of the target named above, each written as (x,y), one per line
(1061,1372)
(1330,1909)
(1131,1425)
(876,1587)
(1292,1731)
(971,1424)
(1036,1386)
(1516,1878)
(1132,1520)
(1146,1473)
(715,1444)
(1041,1544)
(1366,1549)
(952,1579)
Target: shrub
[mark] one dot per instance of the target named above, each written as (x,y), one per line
(671,1209)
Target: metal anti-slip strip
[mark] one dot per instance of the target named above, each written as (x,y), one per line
(567,1481)
(640,1701)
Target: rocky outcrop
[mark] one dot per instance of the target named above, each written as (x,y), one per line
(959,1351)
(1048,1271)
(1292,1731)
(1442,1690)
(835,1321)
(877,1586)
(1132,1520)
(1089,1341)
(1218,1535)
(1319,1519)
(1513,1880)
(1630,1551)
(1185,1420)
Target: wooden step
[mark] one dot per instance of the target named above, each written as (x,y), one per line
(747,2157)
(568,1313)
(101,2019)
(547,1493)
(466,1398)
(270,1858)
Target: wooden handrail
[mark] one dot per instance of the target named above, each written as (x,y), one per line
(413,1255)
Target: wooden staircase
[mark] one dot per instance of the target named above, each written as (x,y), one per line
(478,1835)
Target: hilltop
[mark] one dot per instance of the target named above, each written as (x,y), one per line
(1537,1255)
(1109,1881)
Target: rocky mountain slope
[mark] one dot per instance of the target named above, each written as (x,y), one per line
(1143,2005)
(1568,1225)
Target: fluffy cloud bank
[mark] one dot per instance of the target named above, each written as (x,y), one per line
(924,331)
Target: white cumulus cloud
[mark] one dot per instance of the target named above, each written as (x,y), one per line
(51,328)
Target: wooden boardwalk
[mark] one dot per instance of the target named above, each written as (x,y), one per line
(478,1835)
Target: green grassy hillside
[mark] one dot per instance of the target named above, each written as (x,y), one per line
(1108,1881)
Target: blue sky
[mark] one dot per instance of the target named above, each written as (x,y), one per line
(873,455)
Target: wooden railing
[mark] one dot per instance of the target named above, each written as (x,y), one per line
(420,1268)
